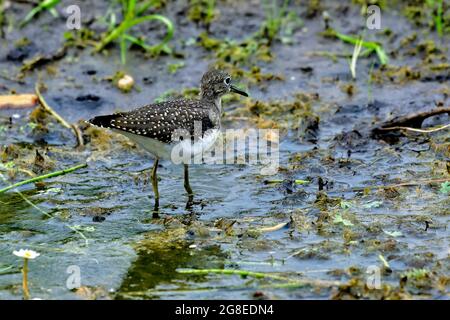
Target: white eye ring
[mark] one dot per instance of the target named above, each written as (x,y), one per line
(227,80)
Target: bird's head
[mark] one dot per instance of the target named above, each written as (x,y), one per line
(216,83)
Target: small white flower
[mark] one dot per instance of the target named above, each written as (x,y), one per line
(26,254)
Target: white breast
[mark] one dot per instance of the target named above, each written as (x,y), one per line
(187,151)
(157,148)
(177,152)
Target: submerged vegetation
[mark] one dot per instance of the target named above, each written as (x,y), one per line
(437,7)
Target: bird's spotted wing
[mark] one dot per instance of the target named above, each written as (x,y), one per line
(161,120)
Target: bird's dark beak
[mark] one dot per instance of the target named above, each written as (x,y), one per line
(236,90)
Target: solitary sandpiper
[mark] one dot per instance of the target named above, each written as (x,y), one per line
(159,127)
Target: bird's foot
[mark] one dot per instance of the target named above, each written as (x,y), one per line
(155,211)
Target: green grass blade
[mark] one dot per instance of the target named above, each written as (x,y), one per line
(438,19)
(44,5)
(125,25)
(139,42)
(169,25)
(382,56)
(43,177)
(130,9)
(53,12)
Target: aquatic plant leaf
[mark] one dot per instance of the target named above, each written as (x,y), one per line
(128,23)
(173,67)
(345,204)
(52,190)
(445,187)
(373,204)
(394,234)
(416,274)
(338,219)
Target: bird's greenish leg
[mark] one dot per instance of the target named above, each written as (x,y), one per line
(187,186)
(155,183)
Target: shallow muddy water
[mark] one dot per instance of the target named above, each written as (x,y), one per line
(339,226)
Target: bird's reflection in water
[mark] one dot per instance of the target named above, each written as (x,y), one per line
(162,252)
(193,207)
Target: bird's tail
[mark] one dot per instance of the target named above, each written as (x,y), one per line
(103,121)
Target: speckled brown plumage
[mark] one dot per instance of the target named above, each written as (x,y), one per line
(160,120)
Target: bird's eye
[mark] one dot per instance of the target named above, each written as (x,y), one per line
(227,80)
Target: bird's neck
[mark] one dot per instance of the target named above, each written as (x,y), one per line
(218,104)
(215,109)
(215,100)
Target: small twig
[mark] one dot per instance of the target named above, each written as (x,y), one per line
(356,53)
(60,119)
(43,177)
(50,110)
(18,101)
(413,121)
(417,130)
(79,135)
(404,184)
(273,228)
(383,259)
